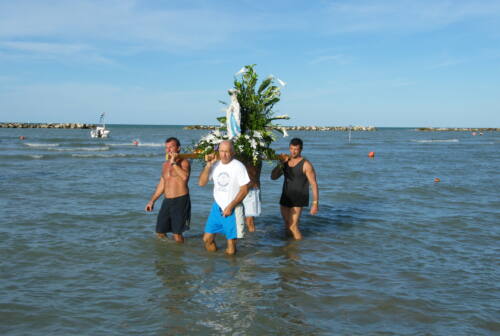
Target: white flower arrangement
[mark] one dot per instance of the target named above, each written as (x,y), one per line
(254,146)
(256,104)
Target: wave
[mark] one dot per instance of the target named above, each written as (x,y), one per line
(21,157)
(66,155)
(35,144)
(437,141)
(77,149)
(117,155)
(140,144)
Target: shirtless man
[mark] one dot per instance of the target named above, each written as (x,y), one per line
(299,174)
(230,188)
(175,211)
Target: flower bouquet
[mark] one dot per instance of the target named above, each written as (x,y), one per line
(251,128)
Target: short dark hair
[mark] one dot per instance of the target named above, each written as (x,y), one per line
(296,142)
(173,139)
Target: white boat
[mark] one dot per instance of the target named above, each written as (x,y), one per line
(100,131)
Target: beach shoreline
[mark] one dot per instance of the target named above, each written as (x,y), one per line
(296,128)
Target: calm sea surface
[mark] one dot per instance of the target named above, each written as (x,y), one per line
(391,252)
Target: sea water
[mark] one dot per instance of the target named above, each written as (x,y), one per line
(391,252)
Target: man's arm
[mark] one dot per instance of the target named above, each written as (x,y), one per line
(158,192)
(242,193)
(181,168)
(311,177)
(278,170)
(205,173)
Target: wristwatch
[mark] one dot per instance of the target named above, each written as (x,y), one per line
(174,163)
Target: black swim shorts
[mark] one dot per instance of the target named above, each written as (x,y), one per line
(174,215)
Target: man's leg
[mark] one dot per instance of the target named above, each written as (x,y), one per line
(209,240)
(291,216)
(178,238)
(250,224)
(231,246)
(294,224)
(163,224)
(285,213)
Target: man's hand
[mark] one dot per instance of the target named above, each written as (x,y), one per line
(314,209)
(227,211)
(284,158)
(173,157)
(149,206)
(211,158)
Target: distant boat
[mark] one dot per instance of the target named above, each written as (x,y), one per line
(100,131)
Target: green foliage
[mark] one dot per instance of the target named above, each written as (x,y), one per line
(256,104)
(257,116)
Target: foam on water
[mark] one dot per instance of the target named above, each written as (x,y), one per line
(140,144)
(437,141)
(31,144)
(100,155)
(73,149)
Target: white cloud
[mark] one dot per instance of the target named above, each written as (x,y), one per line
(122,22)
(127,26)
(450,62)
(400,82)
(45,50)
(339,59)
(403,16)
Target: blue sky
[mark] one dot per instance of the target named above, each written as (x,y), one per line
(380,63)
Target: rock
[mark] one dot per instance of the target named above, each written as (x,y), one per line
(44,125)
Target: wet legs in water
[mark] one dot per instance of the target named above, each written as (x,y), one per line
(209,240)
(250,224)
(291,217)
(177,237)
(210,246)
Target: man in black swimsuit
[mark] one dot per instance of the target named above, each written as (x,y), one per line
(299,174)
(175,211)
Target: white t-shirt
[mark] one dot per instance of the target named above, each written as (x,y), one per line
(228,178)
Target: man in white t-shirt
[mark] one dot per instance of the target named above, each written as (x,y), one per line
(230,188)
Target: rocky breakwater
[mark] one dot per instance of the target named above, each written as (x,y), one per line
(330,128)
(456,129)
(299,128)
(43,125)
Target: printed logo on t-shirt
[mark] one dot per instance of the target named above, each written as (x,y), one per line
(222,181)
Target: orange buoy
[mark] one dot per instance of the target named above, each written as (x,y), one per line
(22,137)
(437,179)
(135,142)
(371,154)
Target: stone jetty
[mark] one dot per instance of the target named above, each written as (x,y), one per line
(44,125)
(456,129)
(298,128)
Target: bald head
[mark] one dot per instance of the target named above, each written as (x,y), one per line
(226,144)
(226,151)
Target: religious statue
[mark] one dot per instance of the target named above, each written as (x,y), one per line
(233,117)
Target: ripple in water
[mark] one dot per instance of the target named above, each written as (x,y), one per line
(390,252)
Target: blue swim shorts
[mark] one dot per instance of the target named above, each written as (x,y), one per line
(232,226)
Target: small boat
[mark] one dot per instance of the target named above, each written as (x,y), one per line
(100,131)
